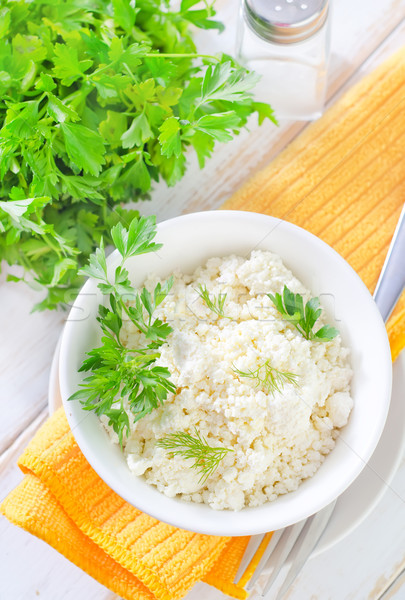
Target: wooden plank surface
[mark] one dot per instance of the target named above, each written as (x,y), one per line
(363,566)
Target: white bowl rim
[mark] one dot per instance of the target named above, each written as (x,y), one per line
(188,515)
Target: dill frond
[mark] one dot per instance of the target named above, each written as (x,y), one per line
(271,380)
(206,458)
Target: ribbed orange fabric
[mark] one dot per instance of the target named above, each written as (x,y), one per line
(63,501)
(32,506)
(343,179)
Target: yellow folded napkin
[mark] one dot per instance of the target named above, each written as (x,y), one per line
(343,179)
(64,502)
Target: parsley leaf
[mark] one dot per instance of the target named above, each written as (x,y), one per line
(138,133)
(217,125)
(84,147)
(137,239)
(68,68)
(291,307)
(58,111)
(170,137)
(223,82)
(121,375)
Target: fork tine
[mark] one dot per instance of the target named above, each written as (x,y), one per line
(266,554)
(250,552)
(251,558)
(305,545)
(295,556)
(284,548)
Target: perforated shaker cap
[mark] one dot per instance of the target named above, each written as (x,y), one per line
(285,21)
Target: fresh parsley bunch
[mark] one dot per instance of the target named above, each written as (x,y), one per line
(118,373)
(98,98)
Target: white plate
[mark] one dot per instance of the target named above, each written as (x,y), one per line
(357,502)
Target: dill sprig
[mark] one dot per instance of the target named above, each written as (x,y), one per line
(216,304)
(206,458)
(271,380)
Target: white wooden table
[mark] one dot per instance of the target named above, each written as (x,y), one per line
(368,563)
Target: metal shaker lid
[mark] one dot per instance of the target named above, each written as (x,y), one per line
(285,21)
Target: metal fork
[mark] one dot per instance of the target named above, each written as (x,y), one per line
(298,541)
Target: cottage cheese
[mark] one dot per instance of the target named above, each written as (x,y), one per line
(278,439)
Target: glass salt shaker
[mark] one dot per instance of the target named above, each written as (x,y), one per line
(287,42)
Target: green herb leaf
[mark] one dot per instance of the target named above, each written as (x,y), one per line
(45,83)
(120,372)
(291,307)
(85,148)
(29,45)
(59,111)
(124,14)
(264,111)
(216,304)
(170,137)
(137,239)
(203,145)
(206,458)
(97,266)
(326,333)
(222,82)
(68,68)
(113,127)
(138,133)
(217,125)
(269,379)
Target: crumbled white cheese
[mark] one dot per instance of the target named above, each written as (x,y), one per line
(277,440)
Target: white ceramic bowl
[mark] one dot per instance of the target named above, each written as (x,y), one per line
(189,241)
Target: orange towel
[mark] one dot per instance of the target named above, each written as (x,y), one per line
(64,502)
(343,179)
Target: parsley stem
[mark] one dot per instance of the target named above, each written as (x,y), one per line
(191,55)
(128,70)
(22,181)
(24,260)
(124,306)
(100,70)
(49,242)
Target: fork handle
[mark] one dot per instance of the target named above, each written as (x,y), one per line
(392,278)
